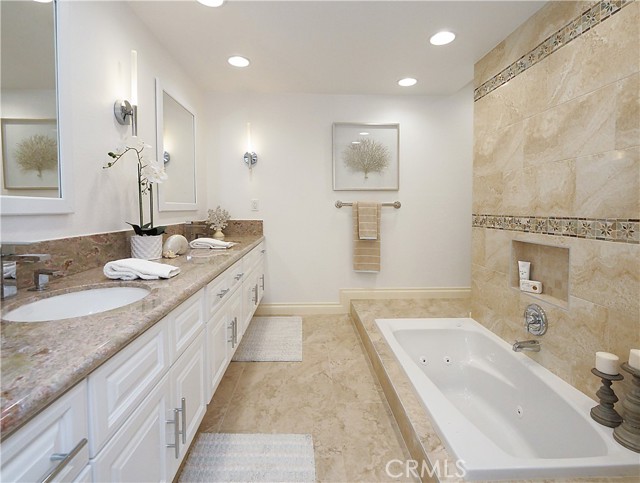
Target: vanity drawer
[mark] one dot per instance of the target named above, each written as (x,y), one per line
(185,323)
(252,258)
(118,387)
(221,287)
(61,429)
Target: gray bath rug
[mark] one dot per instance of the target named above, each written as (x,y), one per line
(252,458)
(271,339)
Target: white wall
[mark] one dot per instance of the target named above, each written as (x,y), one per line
(424,244)
(95,42)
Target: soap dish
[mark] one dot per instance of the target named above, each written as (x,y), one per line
(176,244)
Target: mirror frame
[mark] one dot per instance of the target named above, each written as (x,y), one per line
(163,204)
(32,205)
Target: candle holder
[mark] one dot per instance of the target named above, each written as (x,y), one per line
(604,413)
(628,433)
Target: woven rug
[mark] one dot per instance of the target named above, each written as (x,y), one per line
(271,339)
(250,458)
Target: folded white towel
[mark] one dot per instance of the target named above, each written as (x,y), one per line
(132,268)
(210,243)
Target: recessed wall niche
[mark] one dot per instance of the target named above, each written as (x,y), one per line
(549,265)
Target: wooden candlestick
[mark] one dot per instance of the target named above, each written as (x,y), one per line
(604,413)
(628,433)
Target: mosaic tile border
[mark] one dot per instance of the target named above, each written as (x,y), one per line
(621,230)
(574,29)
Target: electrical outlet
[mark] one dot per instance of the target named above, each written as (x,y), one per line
(254,205)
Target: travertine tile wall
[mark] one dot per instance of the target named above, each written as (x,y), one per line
(557,162)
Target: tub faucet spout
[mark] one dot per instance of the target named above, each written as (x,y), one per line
(527,345)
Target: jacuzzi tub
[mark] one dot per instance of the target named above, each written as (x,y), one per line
(501,413)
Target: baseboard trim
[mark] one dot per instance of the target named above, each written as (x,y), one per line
(347,295)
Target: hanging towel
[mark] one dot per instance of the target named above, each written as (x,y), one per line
(366,253)
(132,268)
(211,243)
(368,221)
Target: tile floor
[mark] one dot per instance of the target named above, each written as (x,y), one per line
(332,394)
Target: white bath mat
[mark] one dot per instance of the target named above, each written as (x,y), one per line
(270,339)
(250,458)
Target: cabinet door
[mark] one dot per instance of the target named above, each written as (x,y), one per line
(219,334)
(250,298)
(188,391)
(138,452)
(118,387)
(38,448)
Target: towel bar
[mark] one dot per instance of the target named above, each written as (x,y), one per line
(395,204)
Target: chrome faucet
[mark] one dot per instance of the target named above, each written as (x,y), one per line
(526,345)
(11,262)
(41,278)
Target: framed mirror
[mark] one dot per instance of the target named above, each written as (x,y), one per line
(176,146)
(32,178)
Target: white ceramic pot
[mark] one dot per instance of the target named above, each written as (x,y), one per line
(146,247)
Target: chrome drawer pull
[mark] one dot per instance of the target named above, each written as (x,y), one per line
(64,459)
(262,278)
(176,432)
(235,331)
(239,276)
(223,292)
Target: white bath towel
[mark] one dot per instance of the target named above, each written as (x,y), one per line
(211,243)
(132,268)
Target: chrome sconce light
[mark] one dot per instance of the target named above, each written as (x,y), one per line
(127,112)
(250,157)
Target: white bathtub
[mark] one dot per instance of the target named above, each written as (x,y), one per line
(501,413)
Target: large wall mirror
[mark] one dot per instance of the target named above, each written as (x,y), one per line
(31,175)
(176,146)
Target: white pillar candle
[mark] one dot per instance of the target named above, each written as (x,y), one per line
(634,359)
(607,363)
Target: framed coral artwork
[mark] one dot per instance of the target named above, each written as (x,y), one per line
(29,154)
(365,156)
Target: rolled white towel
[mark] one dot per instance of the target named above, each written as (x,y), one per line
(132,268)
(210,243)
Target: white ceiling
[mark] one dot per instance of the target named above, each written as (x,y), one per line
(331,47)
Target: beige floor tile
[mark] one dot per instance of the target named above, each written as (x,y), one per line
(332,395)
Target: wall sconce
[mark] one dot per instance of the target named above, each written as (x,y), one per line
(123,109)
(250,157)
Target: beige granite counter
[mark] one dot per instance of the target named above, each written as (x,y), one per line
(42,360)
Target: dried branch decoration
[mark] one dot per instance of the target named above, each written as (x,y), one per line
(367,156)
(37,153)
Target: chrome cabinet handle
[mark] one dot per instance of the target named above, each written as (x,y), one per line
(183,409)
(231,326)
(263,250)
(222,293)
(239,276)
(262,278)
(235,331)
(64,459)
(176,432)
(255,289)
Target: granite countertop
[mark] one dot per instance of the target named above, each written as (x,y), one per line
(42,360)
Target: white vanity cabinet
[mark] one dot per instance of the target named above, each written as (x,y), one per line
(134,417)
(254,284)
(53,445)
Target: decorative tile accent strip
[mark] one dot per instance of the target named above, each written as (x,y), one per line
(621,230)
(578,26)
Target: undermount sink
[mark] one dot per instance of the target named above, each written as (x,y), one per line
(76,304)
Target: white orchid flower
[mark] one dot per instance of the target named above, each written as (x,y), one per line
(154,171)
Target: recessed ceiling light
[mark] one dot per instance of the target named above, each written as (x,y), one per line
(407,82)
(364,134)
(238,61)
(211,3)
(442,38)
